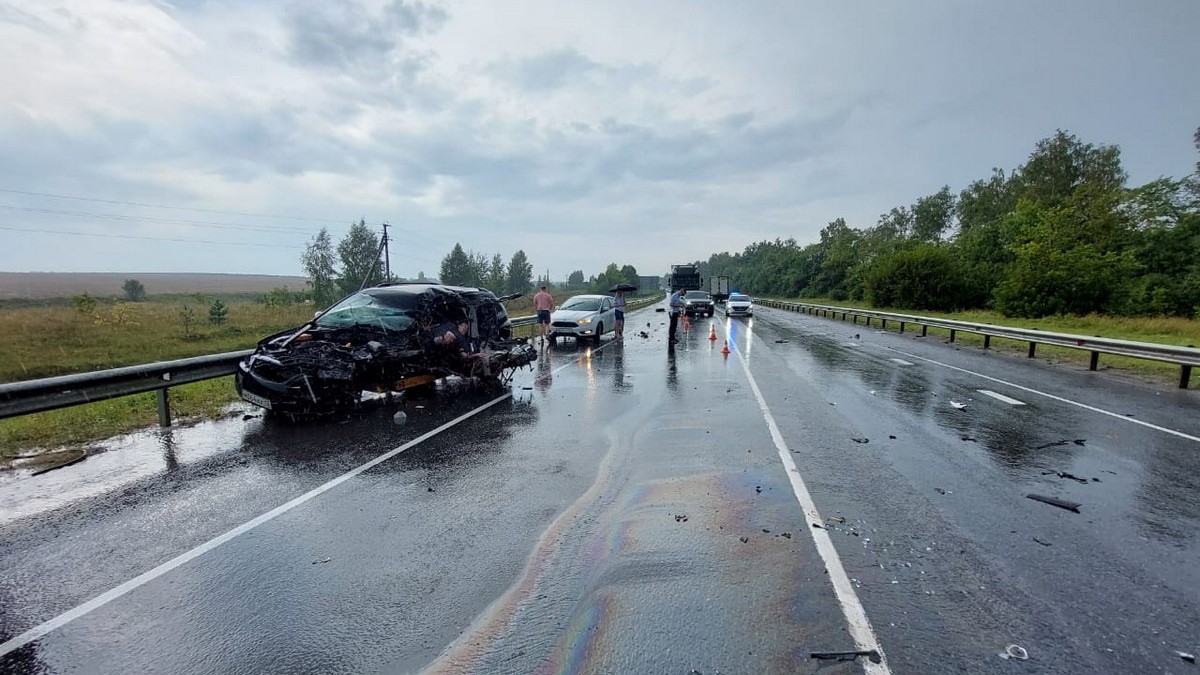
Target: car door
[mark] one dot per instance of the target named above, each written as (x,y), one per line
(607,314)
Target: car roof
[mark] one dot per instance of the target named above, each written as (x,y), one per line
(589,296)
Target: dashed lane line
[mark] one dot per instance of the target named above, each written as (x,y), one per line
(1000,397)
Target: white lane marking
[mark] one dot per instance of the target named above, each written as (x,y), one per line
(1060,399)
(1000,397)
(902,362)
(146,577)
(852,609)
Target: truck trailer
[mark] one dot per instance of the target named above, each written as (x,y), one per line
(720,289)
(686,277)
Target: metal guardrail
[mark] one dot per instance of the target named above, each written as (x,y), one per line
(64,391)
(1184,357)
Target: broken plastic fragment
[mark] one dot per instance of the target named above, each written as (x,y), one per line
(958,406)
(872,655)
(1014,652)
(1054,501)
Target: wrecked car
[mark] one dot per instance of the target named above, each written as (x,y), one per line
(383,339)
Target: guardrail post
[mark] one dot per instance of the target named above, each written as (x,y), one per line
(164,407)
(854,318)
(843,316)
(987,341)
(924,331)
(868,322)
(1032,349)
(1095,361)
(901,326)
(1185,373)
(952,332)
(883,323)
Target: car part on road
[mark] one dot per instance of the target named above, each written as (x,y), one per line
(1014,652)
(871,655)
(1054,501)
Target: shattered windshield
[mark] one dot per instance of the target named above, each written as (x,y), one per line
(582,304)
(393,312)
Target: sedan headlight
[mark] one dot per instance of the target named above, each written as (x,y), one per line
(584,322)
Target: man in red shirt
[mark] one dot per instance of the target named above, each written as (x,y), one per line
(543,302)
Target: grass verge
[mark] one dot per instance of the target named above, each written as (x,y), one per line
(1160,330)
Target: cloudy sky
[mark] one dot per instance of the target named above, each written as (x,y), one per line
(218,136)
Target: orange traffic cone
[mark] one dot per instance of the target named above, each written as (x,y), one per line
(712,332)
(725,349)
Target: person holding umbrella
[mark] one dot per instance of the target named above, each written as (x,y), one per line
(619,306)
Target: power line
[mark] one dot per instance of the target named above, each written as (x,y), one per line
(163,206)
(141,238)
(173,221)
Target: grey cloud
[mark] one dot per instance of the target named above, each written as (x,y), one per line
(561,68)
(345,37)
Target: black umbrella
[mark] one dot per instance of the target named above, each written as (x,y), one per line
(624,287)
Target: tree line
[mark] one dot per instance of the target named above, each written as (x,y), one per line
(1060,234)
(600,283)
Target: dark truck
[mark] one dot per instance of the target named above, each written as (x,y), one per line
(686,277)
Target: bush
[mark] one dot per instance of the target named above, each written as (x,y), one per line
(924,276)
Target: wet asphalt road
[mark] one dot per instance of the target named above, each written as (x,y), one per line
(623,510)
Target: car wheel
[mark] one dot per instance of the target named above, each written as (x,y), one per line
(599,332)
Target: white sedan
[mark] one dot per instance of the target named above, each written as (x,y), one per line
(739,304)
(583,316)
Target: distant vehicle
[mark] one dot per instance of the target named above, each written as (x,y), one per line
(696,303)
(739,304)
(381,339)
(686,277)
(583,316)
(719,288)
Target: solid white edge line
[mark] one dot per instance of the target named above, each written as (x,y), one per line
(852,609)
(146,577)
(1000,397)
(902,362)
(1053,397)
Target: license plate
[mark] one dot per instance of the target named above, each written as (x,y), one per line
(256,400)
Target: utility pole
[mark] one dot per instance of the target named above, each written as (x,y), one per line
(387,255)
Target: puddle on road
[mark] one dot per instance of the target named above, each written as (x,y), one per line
(122,460)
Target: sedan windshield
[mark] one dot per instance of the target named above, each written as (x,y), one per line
(386,311)
(739,298)
(582,304)
(697,295)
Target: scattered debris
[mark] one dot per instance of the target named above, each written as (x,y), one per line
(400,419)
(1054,501)
(250,417)
(872,655)
(861,440)
(758,488)
(957,406)
(322,560)
(968,438)
(527,388)
(78,456)
(786,535)
(815,525)
(891,437)
(942,491)
(766,531)
(1051,445)
(1190,658)
(644,334)
(856,336)
(1079,441)
(1068,476)
(781,342)
(744,540)
(660,309)
(680,518)
(1014,652)
(836,519)
(1043,543)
